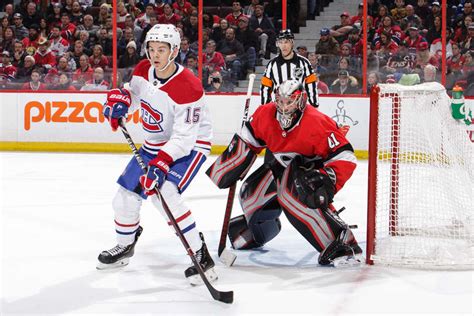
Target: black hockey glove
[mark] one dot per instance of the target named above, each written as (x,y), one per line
(315,188)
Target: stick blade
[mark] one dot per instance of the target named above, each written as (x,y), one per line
(227,257)
(224,297)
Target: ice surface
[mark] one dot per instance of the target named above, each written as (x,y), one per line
(56,217)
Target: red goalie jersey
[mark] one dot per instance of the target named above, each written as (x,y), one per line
(315,135)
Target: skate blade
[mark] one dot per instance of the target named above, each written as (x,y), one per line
(348,261)
(115,265)
(197,280)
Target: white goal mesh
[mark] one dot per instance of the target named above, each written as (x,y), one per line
(424,181)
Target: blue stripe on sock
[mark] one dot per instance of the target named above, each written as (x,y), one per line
(126,233)
(193,225)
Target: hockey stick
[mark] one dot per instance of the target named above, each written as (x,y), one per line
(226,297)
(227,257)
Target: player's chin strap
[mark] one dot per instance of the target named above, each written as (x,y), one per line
(225,297)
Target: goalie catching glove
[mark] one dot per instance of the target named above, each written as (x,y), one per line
(157,171)
(315,188)
(116,107)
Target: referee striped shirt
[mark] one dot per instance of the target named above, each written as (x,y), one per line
(279,70)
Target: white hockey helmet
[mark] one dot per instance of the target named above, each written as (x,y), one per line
(167,33)
(290,102)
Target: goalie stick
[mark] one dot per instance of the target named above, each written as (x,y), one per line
(225,297)
(227,257)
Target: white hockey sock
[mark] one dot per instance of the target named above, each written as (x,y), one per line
(126,207)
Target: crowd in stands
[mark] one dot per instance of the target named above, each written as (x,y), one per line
(58,45)
(406,45)
(67,44)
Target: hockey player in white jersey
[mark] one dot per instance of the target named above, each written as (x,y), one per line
(177,132)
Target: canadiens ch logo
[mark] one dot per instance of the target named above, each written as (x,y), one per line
(341,116)
(151,118)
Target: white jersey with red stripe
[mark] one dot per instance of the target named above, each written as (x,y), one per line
(175,118)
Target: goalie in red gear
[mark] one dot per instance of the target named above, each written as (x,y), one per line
(313,160)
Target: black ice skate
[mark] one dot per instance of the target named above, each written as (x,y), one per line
(207,264)
(341,254)
(119,255)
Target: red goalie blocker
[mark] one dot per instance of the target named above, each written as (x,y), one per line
(233,164)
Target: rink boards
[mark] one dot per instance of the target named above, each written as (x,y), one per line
(74,122)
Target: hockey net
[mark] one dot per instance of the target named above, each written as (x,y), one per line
(421,180)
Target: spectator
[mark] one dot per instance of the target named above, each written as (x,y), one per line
(233,17)
(89,27)
(7,70)
(399,12)
(121,15)
(83,73)
(168,16)
(302,51)
(77,16)
(182,8)
(327,47)
(265,31)
(64,83)
(455,62)
(130,58)
(52,77)
(356,43)
(24,72)
(190,25)
(461,32)
(249,39)
(411,18)
(68,29)
(31,42)
(232,50)
(218,33)
(435,32)
(345,21)
(216,83)
(105,41)
(382,12)
(212,60)
(34,84)
(315,65)
(58,44)
(424,57)
(435,11)
(389,26)
(192,64)
(250,9)
(386,45)
(143,19)
(97,83)
(468,42)
(414,38)
(137,31)
(372,80)
(360,15)
(8,39)
(184,51)
(104,13)
(429,73)
(20,30)
(19,54)
(32,16)
(98,59)
(126,38)
(54,18)
(44,57)
(422,10)
(344,85)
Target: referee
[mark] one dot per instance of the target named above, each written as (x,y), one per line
(288,64)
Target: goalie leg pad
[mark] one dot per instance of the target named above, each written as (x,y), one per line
(256,233)
(233,164)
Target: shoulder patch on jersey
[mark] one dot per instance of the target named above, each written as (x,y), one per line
(184,88)
(142,69)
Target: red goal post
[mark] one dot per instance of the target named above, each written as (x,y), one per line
(421,180)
